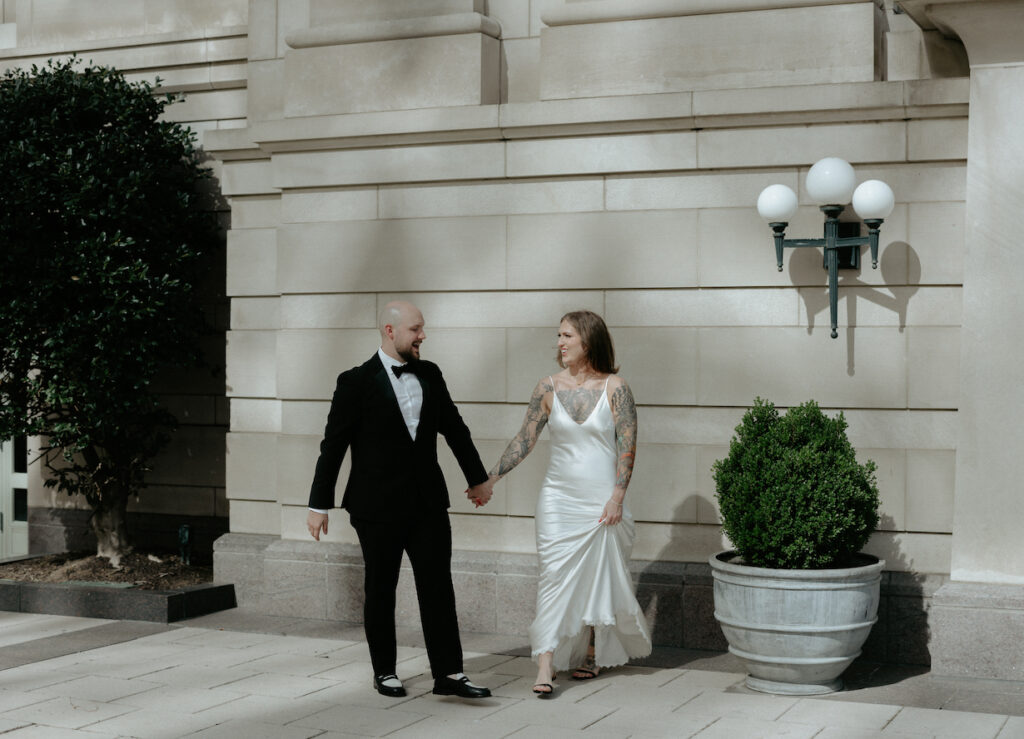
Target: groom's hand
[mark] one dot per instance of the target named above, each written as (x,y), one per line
(316,522)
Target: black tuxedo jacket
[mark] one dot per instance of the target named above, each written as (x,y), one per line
(392,476)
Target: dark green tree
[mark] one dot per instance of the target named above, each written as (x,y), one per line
(102,227)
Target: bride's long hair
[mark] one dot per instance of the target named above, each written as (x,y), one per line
(595,338)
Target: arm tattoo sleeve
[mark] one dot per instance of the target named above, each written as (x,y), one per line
(624,410)
(524,441)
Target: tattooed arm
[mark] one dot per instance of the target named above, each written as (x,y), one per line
(526,439)
(624,413)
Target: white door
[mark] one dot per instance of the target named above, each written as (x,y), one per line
(13,498)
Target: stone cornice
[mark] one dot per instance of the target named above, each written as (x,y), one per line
(94,45)
(989,29)
(356,33)
(603,11)
(798,105)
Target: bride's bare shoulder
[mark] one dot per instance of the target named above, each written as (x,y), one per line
(544,385)
(615,382)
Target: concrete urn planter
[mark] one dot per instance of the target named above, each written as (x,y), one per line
(795,630)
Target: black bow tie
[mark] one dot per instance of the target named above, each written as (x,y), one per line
(398,369)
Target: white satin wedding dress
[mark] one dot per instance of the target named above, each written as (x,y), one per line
(584,580)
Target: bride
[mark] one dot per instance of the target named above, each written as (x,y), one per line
(587,613)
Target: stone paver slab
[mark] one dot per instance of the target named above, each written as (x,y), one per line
(552,712)
(1013,729)
(361,720)
(457,708)
(94,688)
(265,710)
(184,699)
(301,665)
(731,728)
(239,729)
(629,720)
(737,705)
(153,724)
(449,728)
(17,628)
(278,686)
(958,724)
(49,732)
(67,713)
(11,699)
(869,716)
(195,676)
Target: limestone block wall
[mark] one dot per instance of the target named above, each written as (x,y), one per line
(197,48)
(500,162)
(636,203)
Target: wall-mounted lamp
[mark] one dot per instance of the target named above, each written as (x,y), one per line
(830,183)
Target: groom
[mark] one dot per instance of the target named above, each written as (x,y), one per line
(389,411)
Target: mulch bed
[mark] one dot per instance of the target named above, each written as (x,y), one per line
(143,570)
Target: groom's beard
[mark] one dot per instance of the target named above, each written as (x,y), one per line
(407,354)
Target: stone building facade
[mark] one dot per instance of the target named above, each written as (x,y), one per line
(500,162)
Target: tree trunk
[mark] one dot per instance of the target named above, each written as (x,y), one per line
(109,525)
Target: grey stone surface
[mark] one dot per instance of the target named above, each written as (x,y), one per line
(662,606)
(72,599)
(245,674)
(73,642)
(496,592)
(976,630)
(700,630)
(345,592)
(244,543)
(243,570)
(516,602)
(908,633)
(295,588)
(476,600)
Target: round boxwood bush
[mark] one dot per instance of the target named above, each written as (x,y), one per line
(791,492)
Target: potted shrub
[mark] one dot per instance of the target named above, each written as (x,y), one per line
(796,598)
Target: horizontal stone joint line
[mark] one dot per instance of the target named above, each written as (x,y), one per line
(393,30)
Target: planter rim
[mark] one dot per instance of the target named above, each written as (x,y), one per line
(719,562)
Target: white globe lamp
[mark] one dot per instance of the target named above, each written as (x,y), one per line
(777,203)
(873,200)
(831,181)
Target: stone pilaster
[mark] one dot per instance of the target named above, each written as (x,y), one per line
(979,614)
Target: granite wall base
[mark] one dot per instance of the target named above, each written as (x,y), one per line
(496,593)
(976,631)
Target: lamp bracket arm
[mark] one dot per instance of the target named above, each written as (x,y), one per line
(804,242)
(852,241)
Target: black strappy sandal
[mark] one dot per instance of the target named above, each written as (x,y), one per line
(587,671)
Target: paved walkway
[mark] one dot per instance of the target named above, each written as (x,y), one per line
(237,675)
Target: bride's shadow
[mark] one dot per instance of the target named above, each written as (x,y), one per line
(678,600)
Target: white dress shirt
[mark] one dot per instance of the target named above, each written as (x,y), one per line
(409,393)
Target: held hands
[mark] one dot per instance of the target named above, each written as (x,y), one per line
(316,522)
(481,494)
(612,513)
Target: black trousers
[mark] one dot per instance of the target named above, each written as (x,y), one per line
(427,539)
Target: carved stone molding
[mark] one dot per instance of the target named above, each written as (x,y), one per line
(989,29)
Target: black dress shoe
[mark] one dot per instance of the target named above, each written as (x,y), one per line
(388,690)
(461,687)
